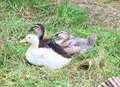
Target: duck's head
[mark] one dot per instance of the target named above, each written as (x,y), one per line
(63,35)
(38,29)
(30,38)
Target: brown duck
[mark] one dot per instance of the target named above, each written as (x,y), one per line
(45,42)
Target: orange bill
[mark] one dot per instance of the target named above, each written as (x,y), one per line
(23,41)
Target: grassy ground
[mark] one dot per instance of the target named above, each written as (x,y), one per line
(17,17)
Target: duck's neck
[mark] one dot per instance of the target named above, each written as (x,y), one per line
(34,46)
(41,35)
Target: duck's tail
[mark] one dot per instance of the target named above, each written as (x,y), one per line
(92,39)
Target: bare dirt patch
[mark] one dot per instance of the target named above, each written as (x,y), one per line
(103,13)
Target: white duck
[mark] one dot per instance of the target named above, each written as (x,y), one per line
(43,56)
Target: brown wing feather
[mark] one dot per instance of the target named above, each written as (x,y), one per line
(52,44)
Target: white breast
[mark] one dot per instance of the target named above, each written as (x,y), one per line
(47,57)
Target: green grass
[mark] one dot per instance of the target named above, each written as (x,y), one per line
(15,71)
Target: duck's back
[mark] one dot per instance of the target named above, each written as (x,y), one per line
(58,49)
(50,43)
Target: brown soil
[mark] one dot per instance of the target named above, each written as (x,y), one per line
(102,12)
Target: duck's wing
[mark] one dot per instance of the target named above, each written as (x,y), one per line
(58,49)
(44,42)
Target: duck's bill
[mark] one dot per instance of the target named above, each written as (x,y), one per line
(23,41)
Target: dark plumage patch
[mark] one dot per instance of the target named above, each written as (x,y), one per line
(50,43)
(57,48)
